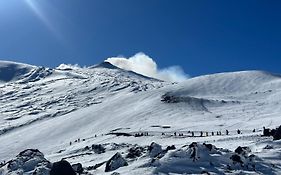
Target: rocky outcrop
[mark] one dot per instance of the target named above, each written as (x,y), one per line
(29,161)
(135,152)
(115,162)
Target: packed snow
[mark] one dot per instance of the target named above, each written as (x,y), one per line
(106,120)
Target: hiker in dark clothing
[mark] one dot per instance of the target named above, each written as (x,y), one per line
(175,134)
(213,133)
(238,131)
(193,147)
(201,133)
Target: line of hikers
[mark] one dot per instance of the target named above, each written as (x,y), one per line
(78,140)
(141,134)
(205,134)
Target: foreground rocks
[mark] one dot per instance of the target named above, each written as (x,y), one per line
(30,161)
(194,158)
(33,162)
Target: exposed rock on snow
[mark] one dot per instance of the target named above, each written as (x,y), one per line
(243,150)
(115,173)
(277,135)
(135,152)
(172,147)
(30,161)
(154,149)
(115,162)
(77,168)
(105,64)
(62,167)
(98,149)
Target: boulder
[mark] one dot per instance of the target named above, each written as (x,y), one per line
(29,160)
(236,159)
(154,149)
(266,132)
(242,150)
(277,134)
(62,167)
(115,162)
(98,149)
(210,147)
(77,168)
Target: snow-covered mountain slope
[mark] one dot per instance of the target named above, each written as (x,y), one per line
(65,89)
(96,104)
(12,71)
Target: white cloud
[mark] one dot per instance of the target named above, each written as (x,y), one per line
(143,64)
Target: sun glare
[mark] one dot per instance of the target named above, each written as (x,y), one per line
(36,7)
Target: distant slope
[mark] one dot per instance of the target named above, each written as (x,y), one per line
(230,83)
(12,71)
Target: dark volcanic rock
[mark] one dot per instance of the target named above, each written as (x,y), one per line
(236,159)
(242,150)
(277,134)
(62,168)
(98,149)
(115,162)
(135,152)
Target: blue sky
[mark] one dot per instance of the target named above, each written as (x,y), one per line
(200,36)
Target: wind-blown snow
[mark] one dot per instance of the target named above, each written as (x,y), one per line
(143,64)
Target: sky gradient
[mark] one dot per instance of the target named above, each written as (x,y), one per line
(202,37)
